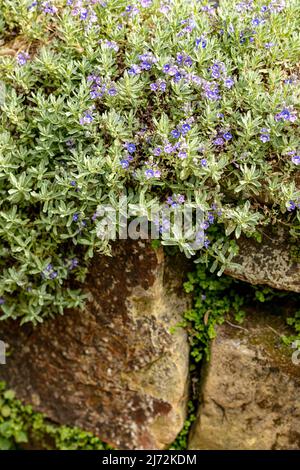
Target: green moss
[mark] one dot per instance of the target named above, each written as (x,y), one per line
(295,253)
(216,299)
(213,299)
(20,426)
(181,441)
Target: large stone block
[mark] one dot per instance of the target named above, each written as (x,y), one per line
(274,262)
(250,395)
(114,368)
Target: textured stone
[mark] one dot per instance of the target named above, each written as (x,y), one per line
(271,262)
(114,368)
(250,390)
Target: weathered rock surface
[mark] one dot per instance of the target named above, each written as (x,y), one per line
(115,368)
(272,262)
(250,395)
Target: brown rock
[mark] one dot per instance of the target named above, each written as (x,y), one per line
(250,390)
(272,262)
(115,368)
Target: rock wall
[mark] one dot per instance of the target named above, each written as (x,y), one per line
(250,394)
(274,262)
(115,368)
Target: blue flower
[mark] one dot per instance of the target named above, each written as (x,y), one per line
(256,21)
(134,70)
(182,154)
(112,91)
(228,82)
(22,58)
(149,173)
(206,243)
(168,148)
(296,159)
(215,71)
(146,65)
(87,118)
(203,162)
(286,115)
(211,91)
(291,206)
(32,5)
(49,272)
(173,71)
(124,163)
(219,141)
(70,143)
(227,136)
(131,148)
(185,128)
(188,61)
(84,14)
(180,58)
(210,218)
(177,77)
(75,217)
(48,8)
(74,263)
(162,85)
(146,3)
(175,133)
(265,138)
(201,41)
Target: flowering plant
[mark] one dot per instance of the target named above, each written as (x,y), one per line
(164,98)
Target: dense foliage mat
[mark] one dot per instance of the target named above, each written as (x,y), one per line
(176,101)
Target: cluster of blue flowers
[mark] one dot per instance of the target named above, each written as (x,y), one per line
(49,272)
(146,62)
(287,114)
(99,88)
(222,138)
(175,199)
(292,205)
(175,101)
(47,7)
